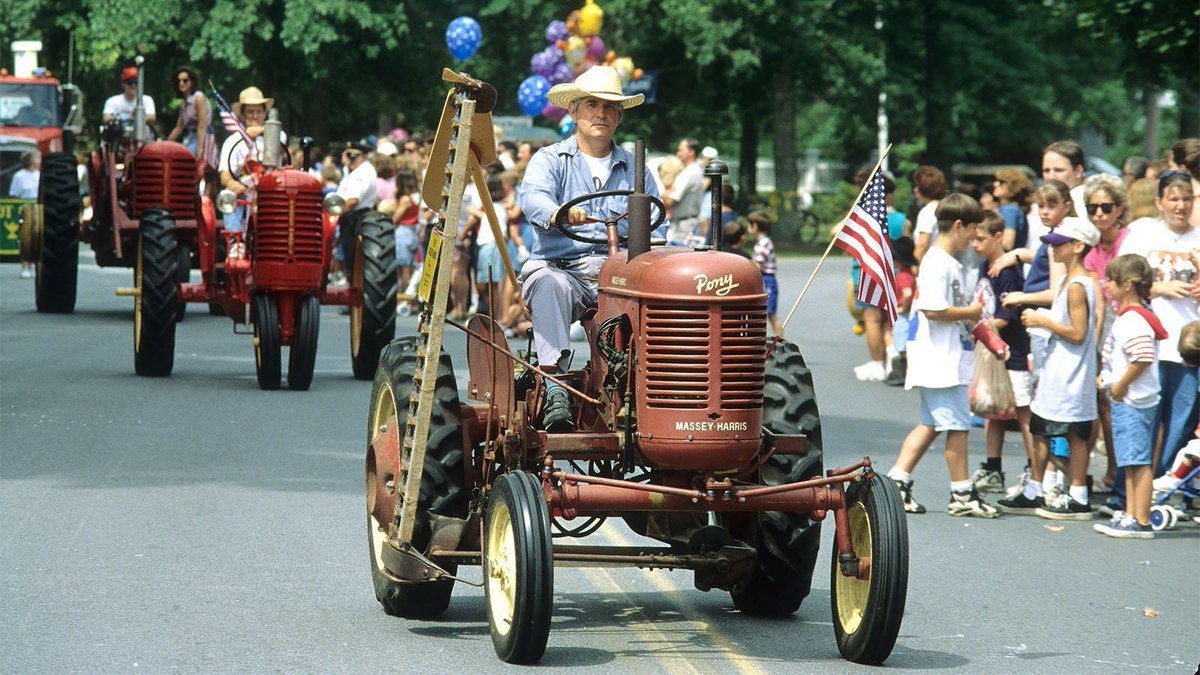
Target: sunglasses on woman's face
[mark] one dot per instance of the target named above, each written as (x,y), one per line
(183,80)
(1106,208)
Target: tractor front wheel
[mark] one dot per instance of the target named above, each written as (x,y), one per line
(266,342)
(867,611)
(373,323)
(302,357)
(518,568)
(787,543)
(156,279)
(58,264)
(442,476)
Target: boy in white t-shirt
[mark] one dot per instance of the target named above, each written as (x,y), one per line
(941,360)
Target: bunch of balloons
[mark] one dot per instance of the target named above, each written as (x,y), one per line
(463,36)
(574,46)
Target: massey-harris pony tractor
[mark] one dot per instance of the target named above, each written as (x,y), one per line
(692,428)
(142,192)
(280,282)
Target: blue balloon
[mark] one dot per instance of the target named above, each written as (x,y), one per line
(463,36)
(531,95)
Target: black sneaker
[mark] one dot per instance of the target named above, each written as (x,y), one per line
(1021,504)
(556,414)
(1065,508)
(910,504)
(899,372)
(970,504)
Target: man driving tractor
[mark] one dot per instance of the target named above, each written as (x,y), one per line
(559,282)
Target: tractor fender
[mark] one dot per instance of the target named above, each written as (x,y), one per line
(207,234)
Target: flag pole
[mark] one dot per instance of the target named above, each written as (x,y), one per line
(833,239)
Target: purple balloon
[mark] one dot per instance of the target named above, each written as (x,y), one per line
(553,112)
(542,64)
(562,74)
(596,50)
(556,55)
(557,30)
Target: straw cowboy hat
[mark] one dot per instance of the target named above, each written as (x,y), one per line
(599,81)
(252,96)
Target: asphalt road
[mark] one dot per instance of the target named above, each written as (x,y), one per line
(196,523)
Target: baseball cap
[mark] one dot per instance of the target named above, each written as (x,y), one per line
(709,152)
(1073,229)
(129,73)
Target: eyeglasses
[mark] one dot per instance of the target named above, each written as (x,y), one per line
(183,80)
(1106,208)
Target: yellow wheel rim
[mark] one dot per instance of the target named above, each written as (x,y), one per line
(852,593)
(137,300)
(356,311)
(501,568)
(382,408)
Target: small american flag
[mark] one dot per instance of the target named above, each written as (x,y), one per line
(864,235)
(230,121)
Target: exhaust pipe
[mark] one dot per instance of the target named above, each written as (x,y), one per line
(639,206)
(716,233)
(272,131)
(139,111)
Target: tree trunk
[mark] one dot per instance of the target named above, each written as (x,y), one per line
(937,121)
(748,150)
(783,135)
(1150,105)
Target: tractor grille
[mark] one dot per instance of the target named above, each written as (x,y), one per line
(165,183)
(288,229)
(697,357)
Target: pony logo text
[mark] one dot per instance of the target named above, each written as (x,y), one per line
(719,286)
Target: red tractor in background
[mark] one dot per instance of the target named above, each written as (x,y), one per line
(38,113)
(691,427)
(279,284)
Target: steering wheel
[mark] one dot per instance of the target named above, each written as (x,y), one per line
(563,211)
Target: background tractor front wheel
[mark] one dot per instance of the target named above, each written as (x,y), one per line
(867,612)
(266,342)
(154,308)
(518,568)
(302,357)
(58,266)
(373,324)
(442,478)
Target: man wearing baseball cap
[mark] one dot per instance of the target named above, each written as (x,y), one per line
(122,105)
(559,280)
(358,189)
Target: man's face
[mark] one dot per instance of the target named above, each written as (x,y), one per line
(352,158)
(254,115)
(596,118)
(684,153)
(1057,167)
(524,152)
(129,88)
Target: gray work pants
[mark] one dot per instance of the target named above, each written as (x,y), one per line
(557,293)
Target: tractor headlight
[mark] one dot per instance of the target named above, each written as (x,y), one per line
(226,202)
(334,204)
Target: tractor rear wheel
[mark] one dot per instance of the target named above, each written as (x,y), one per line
(867,612)
(787,543)
(302,357)
(58,266)
(154,307)
(373,323)
(442,477)
(266,342)
(518,568)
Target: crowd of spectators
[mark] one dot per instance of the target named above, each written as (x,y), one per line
(1091,281)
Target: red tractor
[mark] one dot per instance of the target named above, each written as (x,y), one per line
(38,113)
(279,284)
(691,427)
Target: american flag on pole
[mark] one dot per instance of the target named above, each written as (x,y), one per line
(864,235)
(230,121)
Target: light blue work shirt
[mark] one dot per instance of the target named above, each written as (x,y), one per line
(557,174)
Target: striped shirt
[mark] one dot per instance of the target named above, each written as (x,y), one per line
(1132,341)
(764,255)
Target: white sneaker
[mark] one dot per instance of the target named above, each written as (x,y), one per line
(237,250)
(26,272)
(871,371)
(989,481)
(1019,488)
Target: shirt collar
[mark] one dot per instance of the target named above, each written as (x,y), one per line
(570,147)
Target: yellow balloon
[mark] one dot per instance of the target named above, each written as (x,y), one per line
(576,51)
(591,19)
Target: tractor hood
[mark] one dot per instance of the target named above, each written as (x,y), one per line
(683,274)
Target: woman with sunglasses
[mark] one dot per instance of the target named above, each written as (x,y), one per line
(193,128)
(1172,247)
(1106,203)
